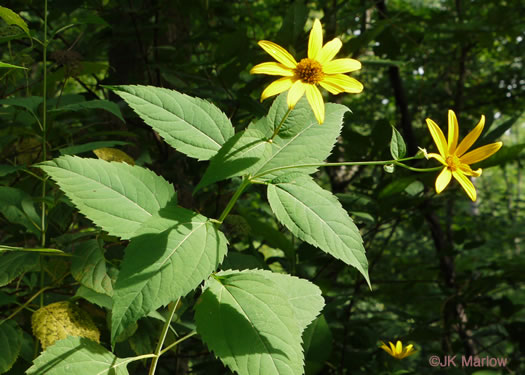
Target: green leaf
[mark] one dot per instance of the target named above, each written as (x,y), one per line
(173,253)
(6,169)
(500,130)
(304,296)
(241,155)
(13,265)
(135,193)
(99,299)
(41,250)
(88,267)
(272,236)
(11,18)
(301,139)
(30,103)
(398,148)
(317,345)
(6,65)
(79,149)
(192,126)
(79,356)
(247,320)
(316,216)
(92,104)
(11,343)
(17,207)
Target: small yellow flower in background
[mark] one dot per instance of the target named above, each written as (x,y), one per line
(455,158)
(398,351)
(304,76)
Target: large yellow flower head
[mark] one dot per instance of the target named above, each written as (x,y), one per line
(302,77)
(398,351)
(455,158)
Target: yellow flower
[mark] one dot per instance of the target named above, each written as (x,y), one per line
(455,158)
(318,68)
(398,351)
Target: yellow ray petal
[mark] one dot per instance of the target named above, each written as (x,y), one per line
(443,180)
(349,84)
(278,53)
(392,348)
(329,50)
(331,87)
(471,137)
(466,184)
(399,347)
(295,93)
(386,348)
(437,157)
(480,153)
(277,87)
(316,102)
(273,69)
(453,131)
(438,136)
(341,66)
(465,168)
(315,42)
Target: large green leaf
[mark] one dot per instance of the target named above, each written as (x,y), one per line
(193,126)
(14,264)
(88,267)
(11,343)
(247,319)
(116,196)
(241,155)
(173,254)
(316,216)
(78,356)
(301,139)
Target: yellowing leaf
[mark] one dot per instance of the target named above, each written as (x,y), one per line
(62,319)
(113,154)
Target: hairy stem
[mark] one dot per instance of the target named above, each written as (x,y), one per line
(397,162)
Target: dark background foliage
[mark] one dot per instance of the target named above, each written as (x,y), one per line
(447,274)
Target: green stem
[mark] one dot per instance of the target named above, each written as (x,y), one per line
(281,123)
(44,153)
(381,162)
(240,189)
(170,346)
(21,307)
(163,334)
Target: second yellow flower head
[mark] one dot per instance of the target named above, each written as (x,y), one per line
(398,351)
(319,68)
(455,158)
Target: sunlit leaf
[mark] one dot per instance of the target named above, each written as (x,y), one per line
(316,216)
(192,126)
(135,193)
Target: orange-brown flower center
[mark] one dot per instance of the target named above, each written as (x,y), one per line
(453,162)
(309,71)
